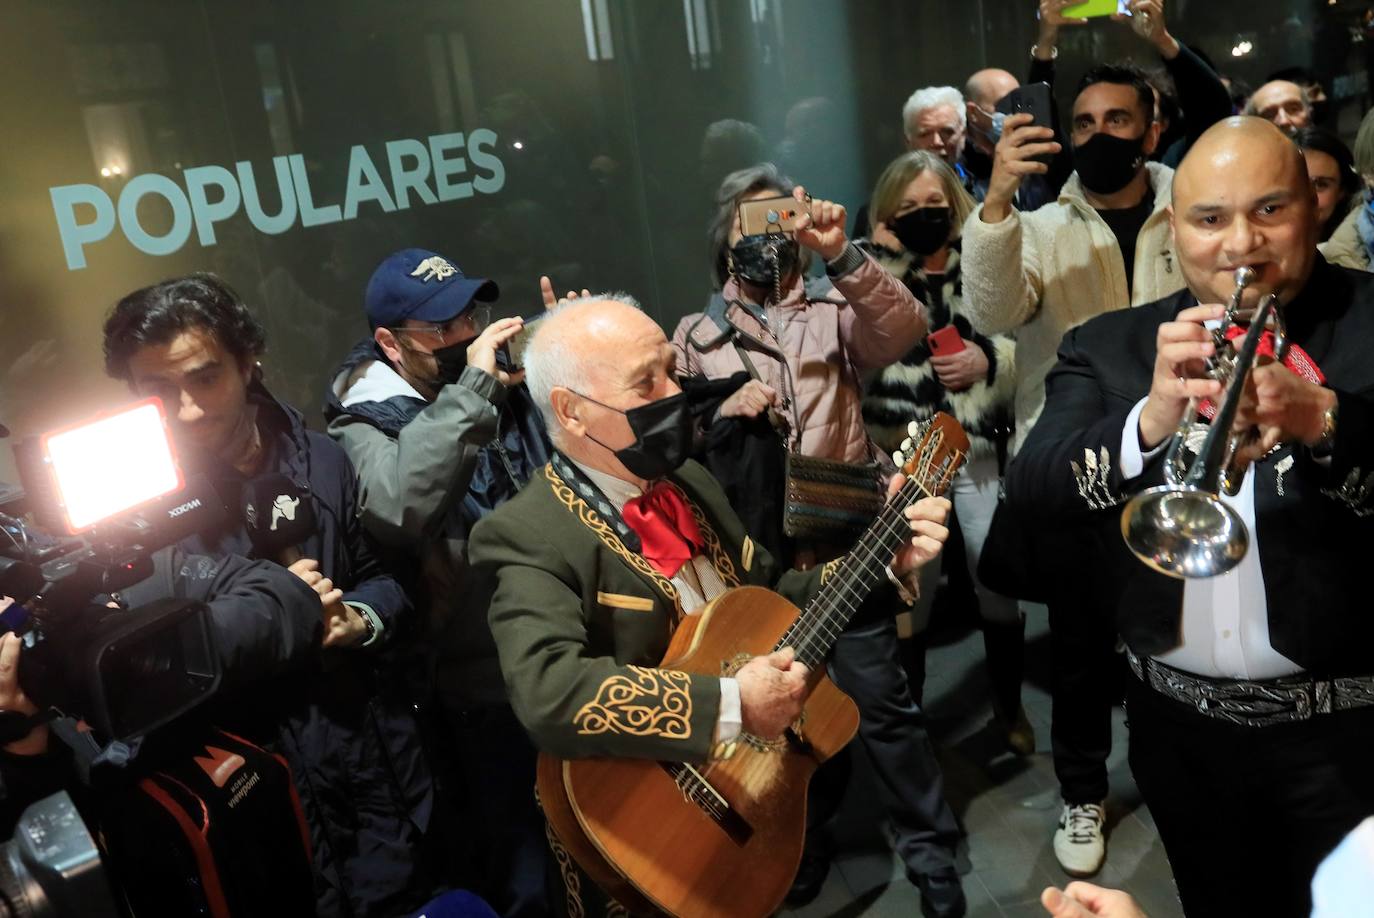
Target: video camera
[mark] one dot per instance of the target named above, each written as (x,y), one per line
(104,495)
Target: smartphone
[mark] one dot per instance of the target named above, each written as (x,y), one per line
(944,342)
(515,347)
(772,215)
(1036,100)
(1093,9)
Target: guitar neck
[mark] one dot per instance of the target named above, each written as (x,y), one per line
(820,623)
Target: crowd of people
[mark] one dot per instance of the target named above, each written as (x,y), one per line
(511,517)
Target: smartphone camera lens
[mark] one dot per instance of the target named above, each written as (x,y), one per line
(773,216)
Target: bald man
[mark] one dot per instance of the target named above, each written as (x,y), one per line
(1252,697)
(605,550)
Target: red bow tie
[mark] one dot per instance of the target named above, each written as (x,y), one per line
(1294,358)
(666,528)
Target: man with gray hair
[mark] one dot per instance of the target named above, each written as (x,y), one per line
(933,119)
(592,566)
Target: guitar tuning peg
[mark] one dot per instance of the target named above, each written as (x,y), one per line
(898,458)
(906,444)
(913,429)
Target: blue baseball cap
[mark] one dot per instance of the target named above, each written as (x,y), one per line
(418,284)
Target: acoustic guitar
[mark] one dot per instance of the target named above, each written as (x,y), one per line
(724,838)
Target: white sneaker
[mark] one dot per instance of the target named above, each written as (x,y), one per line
(1078,842)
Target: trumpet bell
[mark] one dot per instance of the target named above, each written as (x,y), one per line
(1184,533)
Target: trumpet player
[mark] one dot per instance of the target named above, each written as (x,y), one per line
(1251,700)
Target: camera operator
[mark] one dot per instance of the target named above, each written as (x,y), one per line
(349,738)
(442,431)
(265,622)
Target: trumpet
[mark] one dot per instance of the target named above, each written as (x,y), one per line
(1183,528)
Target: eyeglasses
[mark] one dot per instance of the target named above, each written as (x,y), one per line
(471,322)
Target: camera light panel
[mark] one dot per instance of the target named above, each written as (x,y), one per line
(111,465)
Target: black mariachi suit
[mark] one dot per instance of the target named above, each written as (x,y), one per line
(1272,800)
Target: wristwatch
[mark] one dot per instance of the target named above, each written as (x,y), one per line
(1326,444)
(1054,52)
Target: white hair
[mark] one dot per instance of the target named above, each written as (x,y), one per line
(557,360)
(929,97)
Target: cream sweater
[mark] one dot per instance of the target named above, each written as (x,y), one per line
(1039,274)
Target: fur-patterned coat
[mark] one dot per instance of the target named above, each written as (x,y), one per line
(909,389)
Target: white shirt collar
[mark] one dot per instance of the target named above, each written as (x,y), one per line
(617,490)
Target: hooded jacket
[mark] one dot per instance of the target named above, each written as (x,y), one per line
(348,735)
(428,471)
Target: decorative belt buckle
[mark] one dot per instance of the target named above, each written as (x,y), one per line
(1303,701)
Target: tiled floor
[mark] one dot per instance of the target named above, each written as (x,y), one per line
(1008,806)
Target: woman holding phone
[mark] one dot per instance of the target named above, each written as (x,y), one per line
(794,350)
(918,209)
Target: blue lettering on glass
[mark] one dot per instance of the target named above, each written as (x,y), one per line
(411,164)
(252,203)
(170,191)
(75,235)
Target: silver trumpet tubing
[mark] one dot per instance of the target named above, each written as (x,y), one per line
(1183,528)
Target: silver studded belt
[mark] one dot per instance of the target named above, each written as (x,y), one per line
(1255,704)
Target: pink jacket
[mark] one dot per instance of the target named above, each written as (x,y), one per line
(867,320)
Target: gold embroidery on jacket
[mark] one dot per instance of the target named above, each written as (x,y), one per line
(593,521)
(625,601)
(719,558)
(572,880)
(829,568)
(647,702)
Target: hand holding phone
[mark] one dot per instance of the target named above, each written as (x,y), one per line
(771,215)
(1036,100)
(945,341)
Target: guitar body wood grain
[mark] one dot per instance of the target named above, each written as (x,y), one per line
(670,855)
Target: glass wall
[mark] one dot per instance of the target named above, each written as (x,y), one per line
(289,146)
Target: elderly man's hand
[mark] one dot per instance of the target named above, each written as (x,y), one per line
(12,696)
(822,230)
(1084,900)
(927,519)
(772,690)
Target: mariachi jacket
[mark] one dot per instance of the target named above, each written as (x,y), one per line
(1314,519)
(581,621)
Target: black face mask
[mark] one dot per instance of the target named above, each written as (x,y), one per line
(1106,164)
(760,258)
(663,436)
(923,231)
(452,361)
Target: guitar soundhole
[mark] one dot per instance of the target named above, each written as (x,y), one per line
(728,668)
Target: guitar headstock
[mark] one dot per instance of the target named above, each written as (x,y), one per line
(933,452)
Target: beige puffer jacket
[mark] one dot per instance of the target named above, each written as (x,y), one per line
(1039,274)
(827,336)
